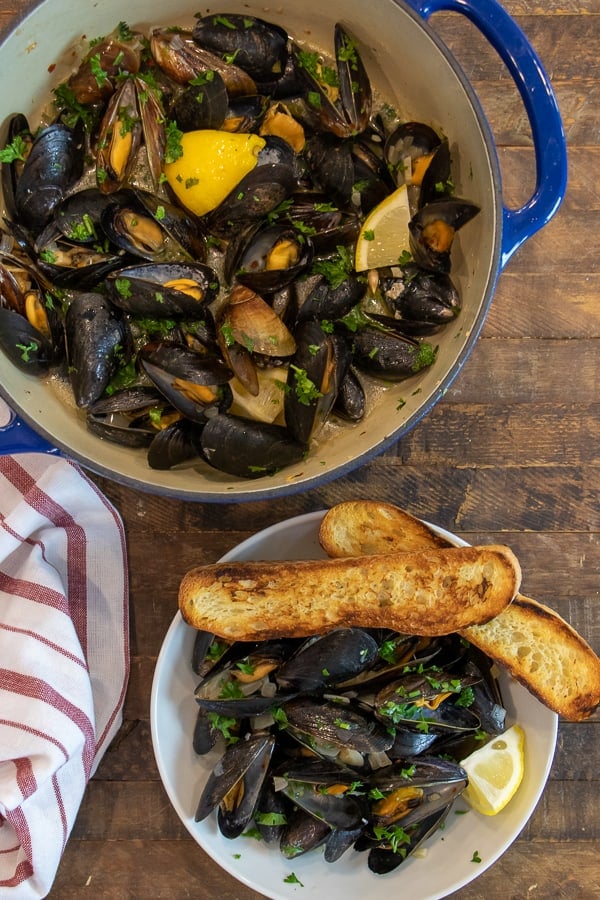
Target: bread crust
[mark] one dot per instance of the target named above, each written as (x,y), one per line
(427,592)
(532,641)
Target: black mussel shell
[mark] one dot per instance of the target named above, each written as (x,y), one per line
(203,104)
(97,344)
(247,448)
(164,290)
(178,443)
(180,57)
(18,130)
(267,258)
(419,296)
(303,832)
(389,355)
(432,231)
(53,166)
(235,762)
(314,375)
(350,402)
(257,194)
(259,47)
(334,657)
(194,383)
(331,165)
(23,344)
(137,431)
(325,302)
(355,88)
(383,858)
(78,217)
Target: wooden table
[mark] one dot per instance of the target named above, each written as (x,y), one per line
(510,455)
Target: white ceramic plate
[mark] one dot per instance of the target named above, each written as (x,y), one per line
(447,865)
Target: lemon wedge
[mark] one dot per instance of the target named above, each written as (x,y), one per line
(384,235)
(495,772)
(211,164)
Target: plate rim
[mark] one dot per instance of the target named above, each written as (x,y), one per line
(237,552)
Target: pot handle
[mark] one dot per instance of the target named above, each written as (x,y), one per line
(17,437)
(537,94)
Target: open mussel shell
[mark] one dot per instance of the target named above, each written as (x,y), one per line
(432,231)
(258,194)
(247,448)
(323,790)
(336,726)
(260,48)
(97,343)
(355,87)
(244,762)
(384,857)
(125,416)
(164,290)
(328,226)
(408,151)
(94,79)
(268,257)
(413,792)
(345,109)
(78,217)
(180,57)
(150,228)
(18,130)
(119,138)
(194,383)
(314,376)
(428,700)
(241,684)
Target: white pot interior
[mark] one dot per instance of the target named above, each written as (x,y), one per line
(408,68)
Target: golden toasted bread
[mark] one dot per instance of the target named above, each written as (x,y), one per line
(538,647)
(427,592)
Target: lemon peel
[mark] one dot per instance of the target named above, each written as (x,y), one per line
(384,234)
(211,165)
(495,772)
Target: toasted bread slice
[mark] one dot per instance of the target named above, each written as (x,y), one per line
(538,647)
(363,527)
(428,592)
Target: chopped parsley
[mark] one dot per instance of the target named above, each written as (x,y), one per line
(306,390)
(16,150)
(336,269)
(173,148)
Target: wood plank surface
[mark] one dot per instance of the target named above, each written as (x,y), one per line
(511,454)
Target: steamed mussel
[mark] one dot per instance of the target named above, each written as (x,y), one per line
(358,732)
(244,315)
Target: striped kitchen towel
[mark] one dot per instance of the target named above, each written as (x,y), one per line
(64,657)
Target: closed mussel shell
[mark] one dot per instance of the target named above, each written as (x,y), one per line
(248,448)
(97,339)
(260,47)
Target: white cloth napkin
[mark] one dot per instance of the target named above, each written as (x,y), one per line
(64,657)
